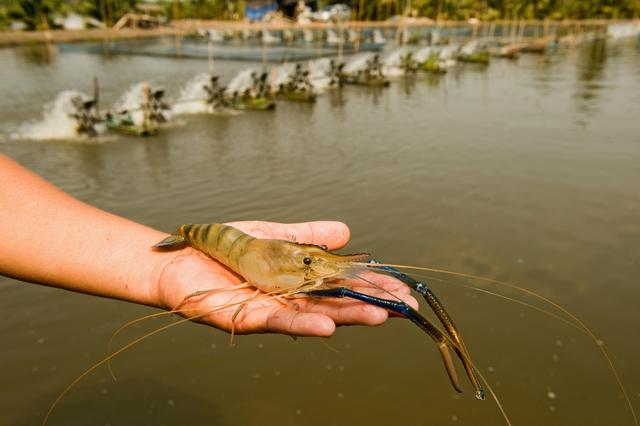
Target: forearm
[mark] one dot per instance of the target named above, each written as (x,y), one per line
(51,238)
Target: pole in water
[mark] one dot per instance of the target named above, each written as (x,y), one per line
(263,51)
(340,35)
(96,95)
(145,104)
(210,55)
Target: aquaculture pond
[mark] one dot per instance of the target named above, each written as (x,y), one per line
(524,171)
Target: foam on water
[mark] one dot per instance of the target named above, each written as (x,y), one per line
(56,122)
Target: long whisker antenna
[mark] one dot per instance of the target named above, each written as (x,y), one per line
(492,392)
(110,356)
(136,341)
(511,299)
(127,325)
(176,310)
(443,340)
(377,286)
(599,343)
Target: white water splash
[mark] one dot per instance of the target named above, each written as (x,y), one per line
(320,66)
(56,122)
(422,55)
(623,30)
(131,100)
(334,38)
(308,36)
(192,99)
(448,52)
(358,63)
(282,74)
(319,74)
(392,64)
(378,38)
(471,47)
(241,82)
(216,36)
(269,38)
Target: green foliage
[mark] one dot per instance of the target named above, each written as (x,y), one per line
(499,9)
(38,14)
(202,9)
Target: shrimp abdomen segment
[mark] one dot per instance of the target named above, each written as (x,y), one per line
(225,244)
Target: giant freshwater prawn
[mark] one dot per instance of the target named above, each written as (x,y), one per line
(280,270)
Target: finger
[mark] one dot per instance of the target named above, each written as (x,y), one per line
(296,323)
(332,234)
(347,311)
(284,320)
(386,282)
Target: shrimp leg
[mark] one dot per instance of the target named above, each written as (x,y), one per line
(443,316)
(408,312)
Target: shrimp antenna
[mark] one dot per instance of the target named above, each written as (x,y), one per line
(599,343)
(175,310)
(460,349)
(511,299)
(377,286)
(136,341)
(109,357)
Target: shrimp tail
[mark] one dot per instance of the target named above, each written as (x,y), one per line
(172,241)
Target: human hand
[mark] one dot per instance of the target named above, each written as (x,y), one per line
(191,271)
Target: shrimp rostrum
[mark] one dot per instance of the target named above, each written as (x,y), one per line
(284,268)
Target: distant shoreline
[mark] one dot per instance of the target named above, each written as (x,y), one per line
(183,27)
(18,38)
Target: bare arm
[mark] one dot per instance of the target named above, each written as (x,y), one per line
(49,237)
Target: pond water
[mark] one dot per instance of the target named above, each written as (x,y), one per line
(525,171)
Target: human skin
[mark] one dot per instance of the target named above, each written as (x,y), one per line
(49,237)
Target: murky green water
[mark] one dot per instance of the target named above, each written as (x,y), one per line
(527,171)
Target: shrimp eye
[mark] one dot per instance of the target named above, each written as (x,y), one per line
(324,247)
(307,261)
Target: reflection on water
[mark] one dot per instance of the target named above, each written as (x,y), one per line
(591,66)
(37,53)
(524,171)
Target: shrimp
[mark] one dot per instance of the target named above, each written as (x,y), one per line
(281,269)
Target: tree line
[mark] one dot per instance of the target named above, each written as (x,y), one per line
(40,14)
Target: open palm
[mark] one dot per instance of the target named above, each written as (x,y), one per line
(223,293)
